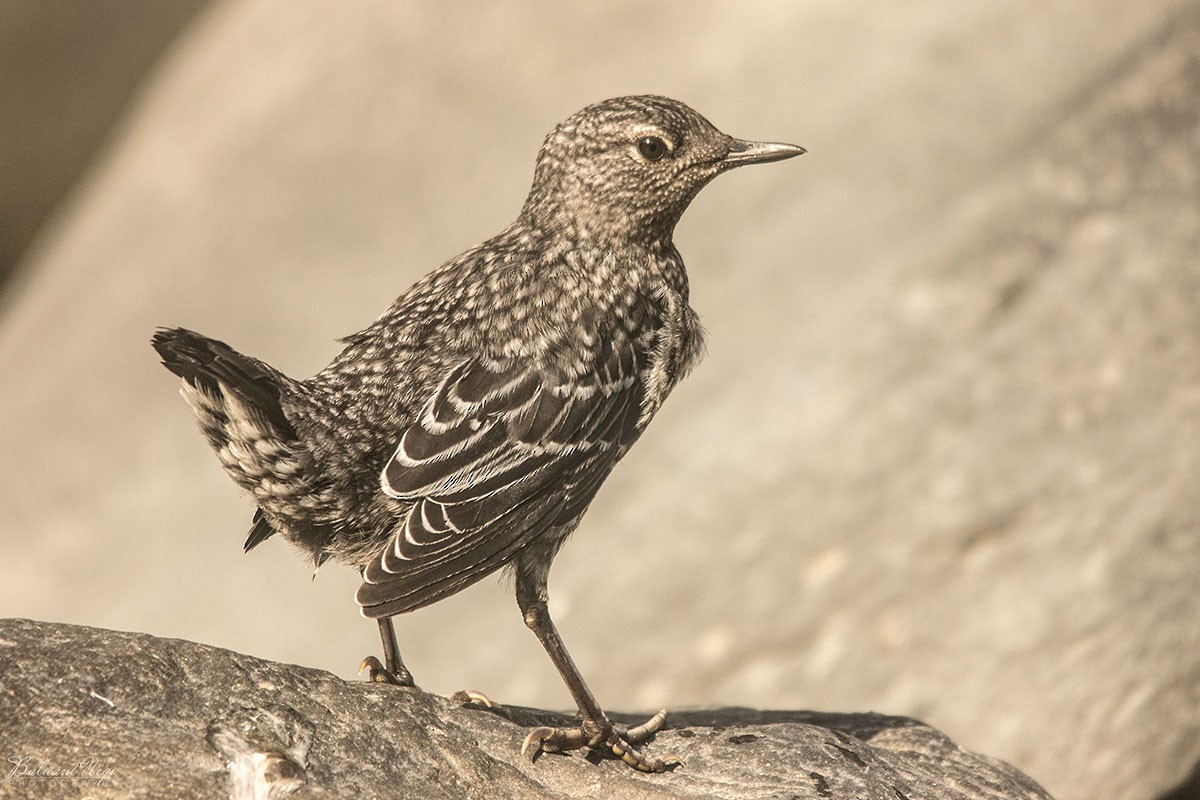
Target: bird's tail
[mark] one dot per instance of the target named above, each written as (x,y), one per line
(215,368)
(239,402)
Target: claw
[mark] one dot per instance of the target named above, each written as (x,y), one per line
(472,696)
(534,739)
(377,673)
(371,663)
(553,740)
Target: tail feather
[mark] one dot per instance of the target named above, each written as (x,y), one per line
(207,364)
(239,402)
(260,531)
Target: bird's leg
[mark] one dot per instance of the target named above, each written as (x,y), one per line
(397,674)
(595,729)
(393,670)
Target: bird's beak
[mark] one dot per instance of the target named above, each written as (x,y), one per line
(741,152)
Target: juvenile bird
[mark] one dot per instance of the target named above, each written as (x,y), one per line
(469,427)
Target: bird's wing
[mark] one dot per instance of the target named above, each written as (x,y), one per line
(503,451)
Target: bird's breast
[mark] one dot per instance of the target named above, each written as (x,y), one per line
(673,345)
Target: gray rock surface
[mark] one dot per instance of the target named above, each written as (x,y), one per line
(941,461)
(147,717)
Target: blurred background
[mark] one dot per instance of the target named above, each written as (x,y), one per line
(942,459)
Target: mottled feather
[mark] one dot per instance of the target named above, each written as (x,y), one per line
(493,459)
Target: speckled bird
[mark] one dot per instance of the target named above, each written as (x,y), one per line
(469,427)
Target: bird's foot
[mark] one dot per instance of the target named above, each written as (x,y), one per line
(603,735)
(377,673)
(466,696)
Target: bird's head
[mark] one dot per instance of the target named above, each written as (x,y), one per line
(625,169)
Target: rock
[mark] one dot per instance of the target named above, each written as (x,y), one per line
(87,712)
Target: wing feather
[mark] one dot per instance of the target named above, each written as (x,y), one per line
(501,453)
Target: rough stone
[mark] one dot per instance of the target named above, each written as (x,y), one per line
(146,717)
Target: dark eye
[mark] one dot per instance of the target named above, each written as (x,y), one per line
(652,148)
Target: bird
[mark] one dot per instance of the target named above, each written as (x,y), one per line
(469,427)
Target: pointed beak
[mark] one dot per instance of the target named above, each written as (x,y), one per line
(741,152)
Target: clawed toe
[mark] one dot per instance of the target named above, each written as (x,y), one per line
(640,733)
(617,741)
(552,740)
(377,673)
(466,696)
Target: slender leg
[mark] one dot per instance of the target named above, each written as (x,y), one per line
(595,729)
(394,672)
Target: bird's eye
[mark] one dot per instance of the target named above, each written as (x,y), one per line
(651,148)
